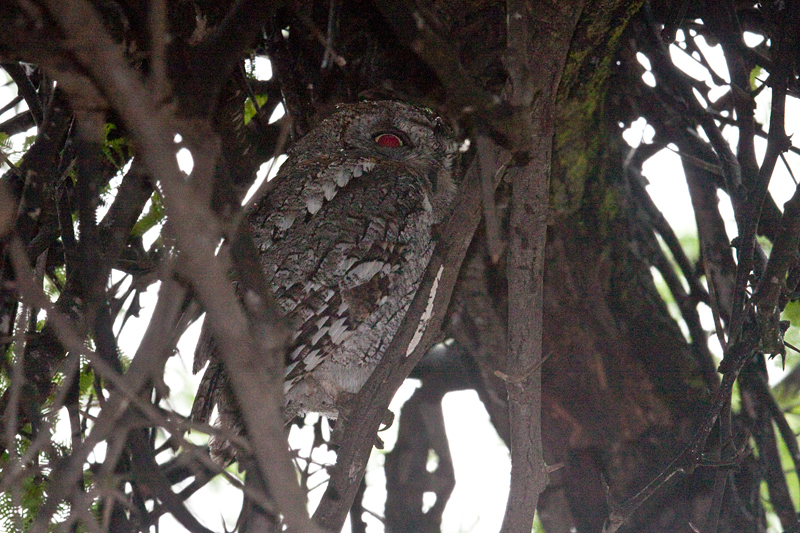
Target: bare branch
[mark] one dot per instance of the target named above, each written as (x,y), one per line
(538,42)
(243,358)
(371,402)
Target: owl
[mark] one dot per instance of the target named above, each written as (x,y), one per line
(344,238)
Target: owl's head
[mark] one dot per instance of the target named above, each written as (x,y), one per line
(390,131)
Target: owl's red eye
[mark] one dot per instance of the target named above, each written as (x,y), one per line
(388,140)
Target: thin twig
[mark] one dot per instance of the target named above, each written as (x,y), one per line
(157,26)
(491,219)
(714,303)
(525,375)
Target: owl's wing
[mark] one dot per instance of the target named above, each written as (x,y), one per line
(328,315)
(343,246)
(210,383)
(346,256)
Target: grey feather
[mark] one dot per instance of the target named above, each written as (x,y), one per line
(345,236)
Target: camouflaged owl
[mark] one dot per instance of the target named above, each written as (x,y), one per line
(345,236)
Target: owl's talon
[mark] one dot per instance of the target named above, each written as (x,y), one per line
(386,423)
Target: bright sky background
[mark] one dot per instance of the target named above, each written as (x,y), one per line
(481,460)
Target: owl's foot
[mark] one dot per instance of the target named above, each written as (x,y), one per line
(386,423)
(388,420)
(345,405)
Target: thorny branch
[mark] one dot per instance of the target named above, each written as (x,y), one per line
(752,326)
(147,366)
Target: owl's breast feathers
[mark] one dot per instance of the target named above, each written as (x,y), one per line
(344,257)
(344,238)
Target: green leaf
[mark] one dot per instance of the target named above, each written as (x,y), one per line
(115,149)
(85,381)
(250,109)
(153,217)
(755,73)
(29,140)
(5,140)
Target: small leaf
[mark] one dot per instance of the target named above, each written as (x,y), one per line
(153,217)
(250,109)
(754,74)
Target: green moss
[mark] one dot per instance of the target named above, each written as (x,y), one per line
(578,140)
(609,209)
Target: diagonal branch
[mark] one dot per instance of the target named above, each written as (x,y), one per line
(430,303)
(248,360)
(688,460)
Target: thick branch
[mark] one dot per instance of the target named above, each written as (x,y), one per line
(537,45)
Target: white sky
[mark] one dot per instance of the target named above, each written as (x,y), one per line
(481,460)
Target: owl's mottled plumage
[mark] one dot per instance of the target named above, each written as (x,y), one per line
(345,236)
